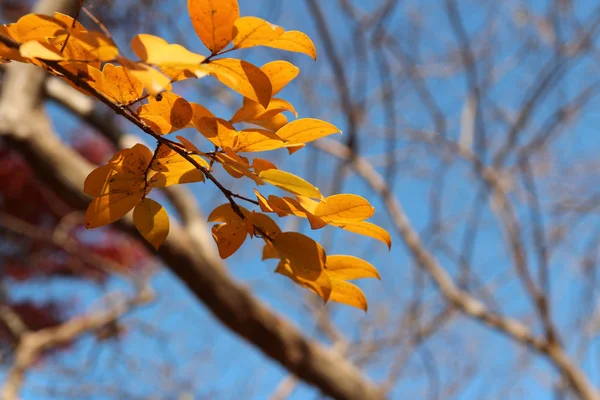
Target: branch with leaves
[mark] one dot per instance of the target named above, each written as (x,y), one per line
(86,59)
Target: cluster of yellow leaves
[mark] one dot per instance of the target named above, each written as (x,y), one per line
(91,62)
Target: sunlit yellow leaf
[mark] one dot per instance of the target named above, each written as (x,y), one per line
(109,208)
(167,114)
(42,51)
(273,123)
(172,168)
(366,229)
(119,85)
(173,59)
(348,267)
(71,24)
(253,31)
(152,221)
(243,77)
(344,207)
(85,46)
(36,27)
(220,132)
(290,182)
(306,130)
(257,140)
(213,21)
(252,111)
(107,179)
(153,81)
(280,73)
(347,293)
(316,280)
(294,41)
(6,52)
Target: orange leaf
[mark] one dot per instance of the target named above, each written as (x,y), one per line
(109,208)
(225,213)
(172,168)
(253,31)
(243,77)
(220,132)
(260,164)
(290,182)
(229,238)
(306,130)
(294,41)
(153,81)
(280,73)
(119,85)
(347,293)
(366,229)
(346,268)
(300,250)
(213,21)
(42,51)
(252,111)
(257,140)
(344,207)
(152,221)
(316,280)
(36,27)
(199,112)
(166,115)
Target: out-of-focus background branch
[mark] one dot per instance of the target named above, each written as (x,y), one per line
(470,125)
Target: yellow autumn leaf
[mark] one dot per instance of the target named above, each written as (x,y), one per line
(346,268)
(42,51)
(294,41)
(220,132)
(213,21)
(290,182)
(189,146)
(226,213)
(199,112)
(236,165)
(109,208)
(231,233)
(306,130)
(36,27)
(316,280)
(243,77)
(172,168)
(167,114)
(152,221)
(119,85)
(344,207)
(253,31)
(280,73)
(252,111)
(153,81)
(300,250)
(92,47)
(71,23)
(172,59)
(251,140)
(347,293)
(367,229)
(265,224)
(269,252)
(273,123)
(229,238)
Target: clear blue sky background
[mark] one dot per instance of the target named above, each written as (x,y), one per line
(208,361)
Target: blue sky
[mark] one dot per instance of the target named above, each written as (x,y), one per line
(174,346)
